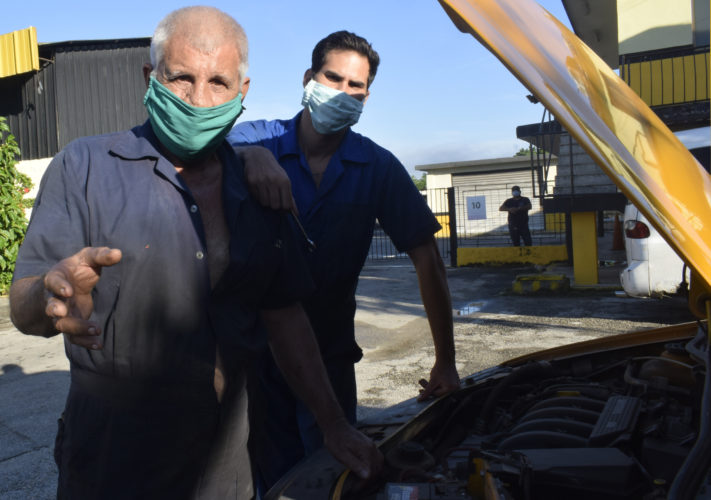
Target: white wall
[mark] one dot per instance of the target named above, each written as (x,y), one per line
(35,169)
(653,24)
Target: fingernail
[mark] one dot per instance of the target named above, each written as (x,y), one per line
(96,347)
(92,330)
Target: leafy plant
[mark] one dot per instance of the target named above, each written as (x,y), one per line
(13,186)
(420,183)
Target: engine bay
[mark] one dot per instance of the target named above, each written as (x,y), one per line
(616,424)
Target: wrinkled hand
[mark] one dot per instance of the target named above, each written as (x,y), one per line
(443,380)
(267,181)
(353,449)
(68,286)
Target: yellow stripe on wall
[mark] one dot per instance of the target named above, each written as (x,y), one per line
(702,70)
(678,73)
(670,81)
(645,84)
(689,79)
(657,83)
(667,79)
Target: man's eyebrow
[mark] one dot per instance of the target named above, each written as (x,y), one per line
(333,74)
(172,72)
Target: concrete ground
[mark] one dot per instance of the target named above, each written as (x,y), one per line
(490,325)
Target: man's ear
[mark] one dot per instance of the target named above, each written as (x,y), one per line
(147,68)
(308,76)
(245,87)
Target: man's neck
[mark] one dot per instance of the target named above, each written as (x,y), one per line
(195,167)
(315,145)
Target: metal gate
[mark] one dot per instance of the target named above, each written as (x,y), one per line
(470,217)
(382,248)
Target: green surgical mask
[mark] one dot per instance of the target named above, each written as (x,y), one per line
(189,132)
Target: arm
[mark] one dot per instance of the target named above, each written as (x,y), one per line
(267,181)
(296,353)
(60,301)
(432,278)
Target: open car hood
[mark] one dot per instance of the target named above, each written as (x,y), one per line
(616,128)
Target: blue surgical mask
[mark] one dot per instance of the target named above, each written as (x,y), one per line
(189,132)
(516,193)
(331,110)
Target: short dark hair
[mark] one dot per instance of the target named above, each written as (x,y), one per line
(515,188)
(345,40)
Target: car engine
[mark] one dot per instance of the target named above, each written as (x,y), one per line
(617,424)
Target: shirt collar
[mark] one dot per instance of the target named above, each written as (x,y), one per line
(351,149)
(145,145)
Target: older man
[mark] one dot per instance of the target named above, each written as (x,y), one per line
(341,182)
(146,251)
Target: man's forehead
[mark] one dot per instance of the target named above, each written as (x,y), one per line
(334,54)
(179,47)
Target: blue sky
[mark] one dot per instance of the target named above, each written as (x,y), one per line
(439,95)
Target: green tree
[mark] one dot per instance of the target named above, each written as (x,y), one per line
(526,152)
(13,186)
(420,183)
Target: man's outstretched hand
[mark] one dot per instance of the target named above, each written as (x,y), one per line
(68,286)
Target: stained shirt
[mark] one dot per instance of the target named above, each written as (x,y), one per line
(362,182)
(160,319)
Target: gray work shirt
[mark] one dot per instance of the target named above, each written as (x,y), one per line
(160,320)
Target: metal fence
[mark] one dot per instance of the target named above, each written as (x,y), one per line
(470,217)
(382,247)
(479,223)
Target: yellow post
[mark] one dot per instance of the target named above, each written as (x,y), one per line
(584,248)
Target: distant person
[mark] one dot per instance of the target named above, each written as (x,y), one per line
(518,206)
(341,181)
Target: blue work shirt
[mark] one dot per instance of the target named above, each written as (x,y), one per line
(160,319)
(363,182)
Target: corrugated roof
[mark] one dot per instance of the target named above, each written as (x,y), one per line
(18,52)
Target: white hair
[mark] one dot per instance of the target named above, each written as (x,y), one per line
(222,25)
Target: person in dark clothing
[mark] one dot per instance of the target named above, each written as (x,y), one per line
(146,251)
(518,206)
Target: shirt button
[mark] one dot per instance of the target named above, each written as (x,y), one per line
(193,208)
(199,255)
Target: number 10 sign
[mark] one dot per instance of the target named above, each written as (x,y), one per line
(476,207)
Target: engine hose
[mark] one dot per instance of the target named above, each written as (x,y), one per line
(531,370)
(696,466)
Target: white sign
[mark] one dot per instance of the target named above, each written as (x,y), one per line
(476,207)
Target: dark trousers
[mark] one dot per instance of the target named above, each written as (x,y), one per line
(114,442)
(518,232)
(283,430)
